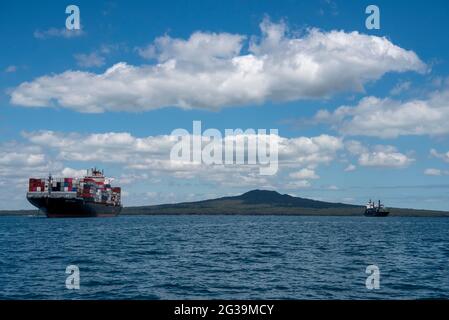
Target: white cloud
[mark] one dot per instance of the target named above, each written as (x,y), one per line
(389,118)
(350,168)
(153,152)
(297,184)
(304,174)
(97,58)
(309,151)
(70,172)
(378,156)
(113,147)
(384,159)
(210,71)
(57,33)
(11,69)
(400,87)
(442,156)
(89,60)
(18,162)
(432,172)
(436,172)
(148,158)
(12,155)
(355,147)
(202,48)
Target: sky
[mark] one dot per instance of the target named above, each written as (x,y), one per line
(360,113)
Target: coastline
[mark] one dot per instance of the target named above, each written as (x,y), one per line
(131,211)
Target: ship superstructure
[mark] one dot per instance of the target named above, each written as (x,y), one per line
(376,210)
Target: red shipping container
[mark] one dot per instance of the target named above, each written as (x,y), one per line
(33,184)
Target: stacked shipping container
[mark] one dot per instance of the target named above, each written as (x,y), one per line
(37,185)
(89,188)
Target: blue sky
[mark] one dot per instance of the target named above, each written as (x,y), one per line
(396,77)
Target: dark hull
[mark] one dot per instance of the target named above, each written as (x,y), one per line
(375,213)
(73,208)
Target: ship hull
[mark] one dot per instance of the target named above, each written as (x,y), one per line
(375,213)
(73,208)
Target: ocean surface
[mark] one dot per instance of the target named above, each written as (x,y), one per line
(224,257)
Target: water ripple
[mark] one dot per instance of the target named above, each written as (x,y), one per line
(224,257)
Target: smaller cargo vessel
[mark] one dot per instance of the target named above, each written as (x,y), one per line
(373,210)
(91,196)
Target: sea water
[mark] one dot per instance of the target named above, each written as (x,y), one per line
(224,257)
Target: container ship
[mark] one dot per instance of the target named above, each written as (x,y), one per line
(91,196)
(373,210)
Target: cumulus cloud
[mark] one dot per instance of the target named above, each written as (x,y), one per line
(378,156)
(153,152)
(18,162)
(210,71)
(442,156)
(97,58)
(309,151)
(89,60)
(201,47)
(70,172)
(299,157)
(390,118)
(149,158)
(384,159)
(435,172)
(113,147)
(12,154)
(305,173)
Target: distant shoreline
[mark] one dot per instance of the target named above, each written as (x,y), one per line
(258,203)
(395,212)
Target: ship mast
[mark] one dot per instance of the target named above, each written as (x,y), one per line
(50,183)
